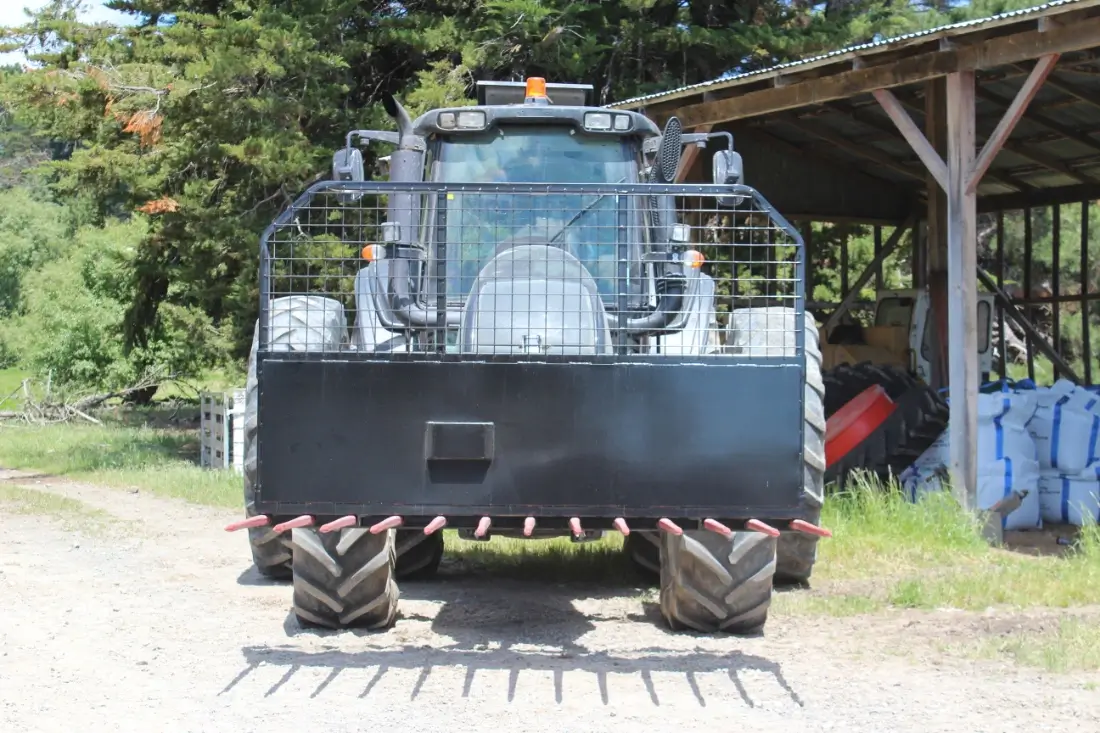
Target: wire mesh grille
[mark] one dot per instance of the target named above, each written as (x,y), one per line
(532,272)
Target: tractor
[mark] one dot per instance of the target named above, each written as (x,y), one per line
(531,330)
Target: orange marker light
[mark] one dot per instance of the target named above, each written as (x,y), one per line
(694,259)
(536,87)
(373,252)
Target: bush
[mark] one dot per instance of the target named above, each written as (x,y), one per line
(71,320)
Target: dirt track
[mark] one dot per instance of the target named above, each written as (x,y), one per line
(163,626)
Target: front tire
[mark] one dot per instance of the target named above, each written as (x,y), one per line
(712,583)
(345,579)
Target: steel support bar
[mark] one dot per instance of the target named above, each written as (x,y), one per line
(1011,116)
(1008,307)
(852,295)
(962,323)
(912,134)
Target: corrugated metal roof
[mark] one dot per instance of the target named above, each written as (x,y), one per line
(884,44)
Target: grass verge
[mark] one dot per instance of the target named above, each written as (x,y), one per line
(160,461)
(19,500)
(1070,645)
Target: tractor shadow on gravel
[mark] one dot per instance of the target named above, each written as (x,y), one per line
(519,627)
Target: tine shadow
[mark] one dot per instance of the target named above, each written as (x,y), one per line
(644,663)
(515,627)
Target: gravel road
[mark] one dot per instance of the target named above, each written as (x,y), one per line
(158,623)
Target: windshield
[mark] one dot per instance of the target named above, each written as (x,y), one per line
(480,225)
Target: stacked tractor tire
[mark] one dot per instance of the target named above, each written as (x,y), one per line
(918,418)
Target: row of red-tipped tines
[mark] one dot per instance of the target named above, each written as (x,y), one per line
(665,525)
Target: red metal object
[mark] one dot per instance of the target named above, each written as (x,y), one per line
(436,524)
(669,526)
(528,526)
(482,527)
(388,523)
(620,524)
(715,526)
(850,425)
(303,521)
(575,526)
(258,521)
(802,525)
(348,521)
(757,526)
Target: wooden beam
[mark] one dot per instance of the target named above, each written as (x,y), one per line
(844,107)
(1040,119)
(1086,307)
(1002,51)
(860,150)
(1082,95)
(1040,197)
(1008,122)
(689,156)
(1049,162)
(852,294)
(962,324)
(912,134)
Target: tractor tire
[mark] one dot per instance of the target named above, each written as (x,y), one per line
(418,554)
(294,325)
(917,422)
(644,550)
(712,583)
(844,382)
(345,579)
(797,552)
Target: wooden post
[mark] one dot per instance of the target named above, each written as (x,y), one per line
(1056,281)
(962,277)
(935,127)
(1085,346)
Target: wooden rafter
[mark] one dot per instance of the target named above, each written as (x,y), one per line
(992,53)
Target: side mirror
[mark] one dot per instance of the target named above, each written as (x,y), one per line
(726,170)
(347,165)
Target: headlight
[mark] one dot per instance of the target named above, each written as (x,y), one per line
(447,120)
(622,122)
(471,120)
(597,121)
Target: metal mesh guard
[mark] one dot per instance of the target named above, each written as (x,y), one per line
(445,271)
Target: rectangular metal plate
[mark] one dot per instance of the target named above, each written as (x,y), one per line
(458,441)
(633,440)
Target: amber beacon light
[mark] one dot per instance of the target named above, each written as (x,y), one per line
(536,88)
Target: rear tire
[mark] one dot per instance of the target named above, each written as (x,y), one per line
(345,579)
(797,552)
(298,323)
(644,550)
(710,583)
(418,554)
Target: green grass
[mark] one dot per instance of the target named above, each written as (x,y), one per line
(550,560)
(20,500)
(160,461)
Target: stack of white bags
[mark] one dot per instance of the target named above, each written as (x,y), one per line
(1043,441)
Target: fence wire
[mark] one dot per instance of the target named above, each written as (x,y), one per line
(532,271)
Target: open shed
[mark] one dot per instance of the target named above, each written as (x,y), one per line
(925,133)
